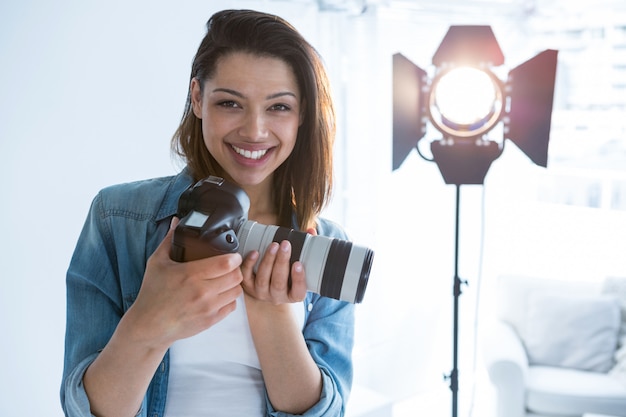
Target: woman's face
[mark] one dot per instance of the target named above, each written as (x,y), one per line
(250,113)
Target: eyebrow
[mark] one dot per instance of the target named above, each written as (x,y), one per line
(270,97)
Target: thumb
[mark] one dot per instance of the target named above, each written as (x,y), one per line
(173,224)
(166,246)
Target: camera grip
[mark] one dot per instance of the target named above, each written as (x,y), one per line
(190,244)
(177,253)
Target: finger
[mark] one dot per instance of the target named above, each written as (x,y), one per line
(225,311)
(225,283)
(312,231)
(247,266)
(298,282)
(166,243)
(163,250)
(247,269)
(230,296)
(280,272)
(216,266)
(225,304)
(264,271)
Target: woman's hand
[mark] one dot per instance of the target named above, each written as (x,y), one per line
(275,280)
(176,300)
(179,300)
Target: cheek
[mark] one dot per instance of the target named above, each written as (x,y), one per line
(209,136)
(287,146)
(212,128)
(289,134)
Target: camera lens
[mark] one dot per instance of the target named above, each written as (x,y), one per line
(346,271)
(334,268)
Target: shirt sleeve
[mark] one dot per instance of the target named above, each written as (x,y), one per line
(329,334)
(94,307)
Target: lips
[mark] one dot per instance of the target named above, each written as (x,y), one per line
(254,155)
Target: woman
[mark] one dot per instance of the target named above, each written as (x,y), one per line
(150,336)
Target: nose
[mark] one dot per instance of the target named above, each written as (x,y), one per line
(254,126)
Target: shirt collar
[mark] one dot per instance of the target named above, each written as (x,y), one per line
(169,205)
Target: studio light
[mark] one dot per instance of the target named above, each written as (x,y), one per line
(465,101)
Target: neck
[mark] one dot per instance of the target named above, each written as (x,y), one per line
(262,207)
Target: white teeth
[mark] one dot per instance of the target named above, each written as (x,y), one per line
(250,154)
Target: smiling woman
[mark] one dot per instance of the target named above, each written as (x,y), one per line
(250,112)
(215,336)
(306,175)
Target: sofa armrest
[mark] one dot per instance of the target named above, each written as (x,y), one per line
(507,365)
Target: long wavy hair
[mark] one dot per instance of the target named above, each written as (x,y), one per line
(303,183)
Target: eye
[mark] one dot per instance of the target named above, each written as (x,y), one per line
(228,104)
(280,107)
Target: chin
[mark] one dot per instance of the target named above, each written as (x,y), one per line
(250,180)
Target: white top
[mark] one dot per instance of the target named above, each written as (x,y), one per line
(217,372)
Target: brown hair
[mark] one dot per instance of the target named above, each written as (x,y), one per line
(303,183)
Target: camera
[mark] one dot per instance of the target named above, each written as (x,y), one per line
(214,220)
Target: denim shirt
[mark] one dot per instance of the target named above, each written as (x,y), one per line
(124,226)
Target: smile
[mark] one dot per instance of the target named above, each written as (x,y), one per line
(250,154)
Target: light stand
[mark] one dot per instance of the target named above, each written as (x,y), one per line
(464,113)
(454,375)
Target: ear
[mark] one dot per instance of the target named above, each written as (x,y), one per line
(196,98)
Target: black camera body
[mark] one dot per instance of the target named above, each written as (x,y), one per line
(214,220)
(225,204)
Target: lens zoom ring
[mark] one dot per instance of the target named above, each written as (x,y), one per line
(335,268)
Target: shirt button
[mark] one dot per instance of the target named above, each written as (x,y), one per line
(310,307)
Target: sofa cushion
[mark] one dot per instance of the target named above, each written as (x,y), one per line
(558,391)
(617,286)
(577,332)
(514,291)
(619,370)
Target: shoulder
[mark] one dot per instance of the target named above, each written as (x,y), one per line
(330,228)
(156,197)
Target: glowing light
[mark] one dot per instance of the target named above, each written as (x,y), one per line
(465,98)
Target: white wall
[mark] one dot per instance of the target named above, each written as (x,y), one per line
(90,94)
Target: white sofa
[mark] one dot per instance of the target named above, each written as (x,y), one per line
(543,336)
